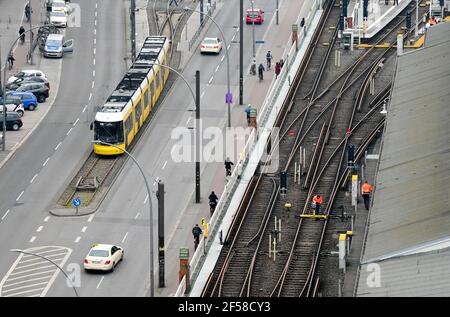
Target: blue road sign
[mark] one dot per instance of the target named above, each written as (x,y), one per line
(76,202)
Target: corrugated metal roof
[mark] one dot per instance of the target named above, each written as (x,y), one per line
(411,207)
(426,274)
(440,33)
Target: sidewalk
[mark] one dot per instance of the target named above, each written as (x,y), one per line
(213,174)
(31,119)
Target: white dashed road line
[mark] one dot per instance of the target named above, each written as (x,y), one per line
(137,215)
(34,177)
(17,199)
(47,219)
(211,79)
(77,239)
(46,161)
(84,109)
(223,57)
(84,229)
(75,123)
(101,280)
(39,229)
(217,68)
(68,132)
(6,213)
(91,217)
(32,239)
(164,165)
(146,198)
(203,93)
(59,144)
(123,240)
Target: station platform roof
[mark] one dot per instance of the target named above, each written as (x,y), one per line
(409,225)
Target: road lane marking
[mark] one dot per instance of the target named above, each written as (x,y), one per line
(137,215)
(76,121)
(20,195)
(47,219)
(146,198)
(84,109)
(123,240)
(203,93)
(69,131)
(93,73)
(101,280)
(84,229)
(228,47)
(90,97)
(94,62)
(39,229)
(223,57)
(6,213)
(34,177)
(189,119)
(211,79)
(95,40)
(93,84)
(95,50)
(46,161)
(95,22)
(96,5)
(164,165)
(95,31)
(217,68)
(77,239)
(91,217)
(32,240)
(59,144)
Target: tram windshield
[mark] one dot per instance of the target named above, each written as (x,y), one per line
(109,132)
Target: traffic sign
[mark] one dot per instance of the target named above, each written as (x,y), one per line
(76,202)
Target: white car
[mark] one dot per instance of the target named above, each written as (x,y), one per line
(103,257)
(211,45)
(27,73)
(59,5)
(58,19)
(12,107)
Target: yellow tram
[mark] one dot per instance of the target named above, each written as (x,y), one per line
(129,105)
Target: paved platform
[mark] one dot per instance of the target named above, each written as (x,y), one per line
(380,13)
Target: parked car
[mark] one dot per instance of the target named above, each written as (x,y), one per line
(27,73)
(58,18)
(13,121)
(13,104)
(28,99)
(254,16)
(211,45)
(55,46)
(25,80)
(40,90)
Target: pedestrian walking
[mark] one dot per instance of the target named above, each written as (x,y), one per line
(11,60)
(228,164)
(317,202)
(366,190)
(196,232)
(277,69)
(269,59)
(247,112)
(261,70)
(28,12)
(281,63)
(22,34)
(212,202)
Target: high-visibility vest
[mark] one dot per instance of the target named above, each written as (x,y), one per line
(366,188)
(317,200)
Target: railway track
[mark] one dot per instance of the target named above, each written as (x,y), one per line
(328,111)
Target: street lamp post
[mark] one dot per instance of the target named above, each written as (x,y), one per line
(4,85)
(149,192)
(228,96)
(253,30)
(47,259)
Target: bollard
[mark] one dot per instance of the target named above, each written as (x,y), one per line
(342,246)
(399,44)
(274,249)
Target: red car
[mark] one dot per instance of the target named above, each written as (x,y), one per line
(254,16)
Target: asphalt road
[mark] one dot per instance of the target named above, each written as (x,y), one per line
(123,217)
(57,148)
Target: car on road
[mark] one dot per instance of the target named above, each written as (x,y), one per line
(210,45)
(58,19)
(254,16)
(13,121)
(59,6)
(103,257)
(24,80)
(40,90)
(55,46)
(28,99)
(13,104)
(27,73)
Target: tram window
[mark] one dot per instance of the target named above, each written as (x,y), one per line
(110,132)
(146,98)
(138,111)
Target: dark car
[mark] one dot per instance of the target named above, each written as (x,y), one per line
(20,81)
(40,90)
(13,121)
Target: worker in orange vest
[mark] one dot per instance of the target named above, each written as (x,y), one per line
(366,190)
(317,201)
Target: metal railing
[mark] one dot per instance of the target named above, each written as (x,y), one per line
(230,188)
